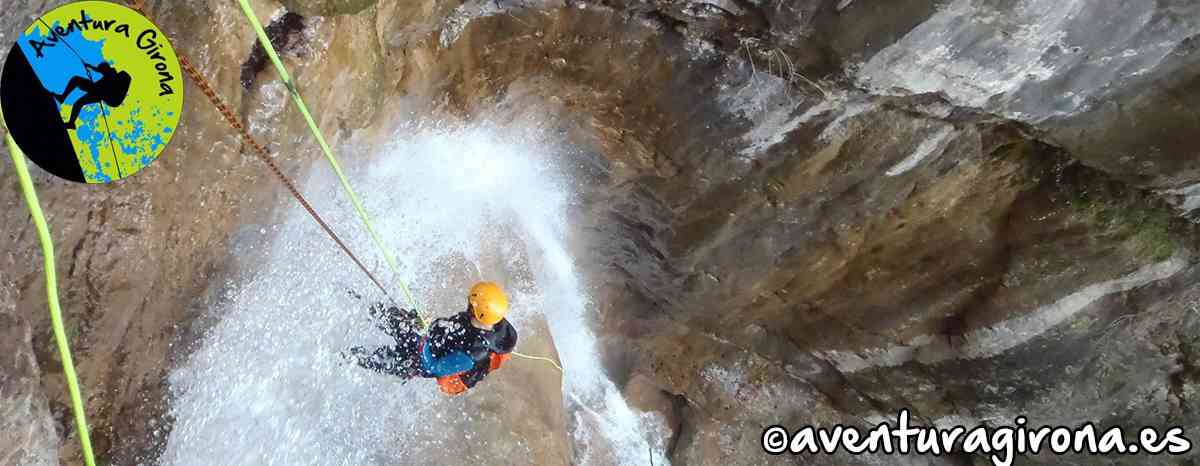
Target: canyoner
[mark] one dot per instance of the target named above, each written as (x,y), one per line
(458,351)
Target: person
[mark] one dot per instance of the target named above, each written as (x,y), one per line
(111,89)
(459,351)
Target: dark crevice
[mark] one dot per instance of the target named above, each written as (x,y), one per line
(678,404)
(77,250)
(1185,356)
(284,36)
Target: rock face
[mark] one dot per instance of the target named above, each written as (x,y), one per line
(813,212)
(327,7)
(27,435)
(1069,68)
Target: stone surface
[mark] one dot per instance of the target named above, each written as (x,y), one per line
(1114,83)
(811,212)
(27,432)
(327,7)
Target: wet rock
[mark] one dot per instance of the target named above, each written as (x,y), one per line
(804,213)
(851,234)
(643,394)
(27,433)
(327,7)
(1115,85)
(283,34)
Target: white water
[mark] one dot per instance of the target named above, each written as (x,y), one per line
(264,386)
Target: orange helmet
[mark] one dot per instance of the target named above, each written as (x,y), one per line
(488,302)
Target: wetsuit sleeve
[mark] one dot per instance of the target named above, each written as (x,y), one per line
(384,360)
(509,342)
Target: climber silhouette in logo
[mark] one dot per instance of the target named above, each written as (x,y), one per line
(111,89)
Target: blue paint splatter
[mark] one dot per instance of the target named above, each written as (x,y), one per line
(89,132)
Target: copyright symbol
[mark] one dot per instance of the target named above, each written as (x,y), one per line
(775,440)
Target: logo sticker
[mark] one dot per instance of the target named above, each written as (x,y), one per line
(92,92)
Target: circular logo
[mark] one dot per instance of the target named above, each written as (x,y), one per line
(92,91)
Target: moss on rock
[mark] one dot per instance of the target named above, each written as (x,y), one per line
(1150,228)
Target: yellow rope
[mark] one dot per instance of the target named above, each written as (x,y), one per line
(60,334)
(539,358)
(312,126)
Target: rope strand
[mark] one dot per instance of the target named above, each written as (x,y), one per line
(56,320)
(265,156)
(539,358)
(294,92)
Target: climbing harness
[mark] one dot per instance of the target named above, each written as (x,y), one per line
(56,321)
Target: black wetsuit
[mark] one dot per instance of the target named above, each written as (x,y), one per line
(453,347)
(403,358)
(453,340)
